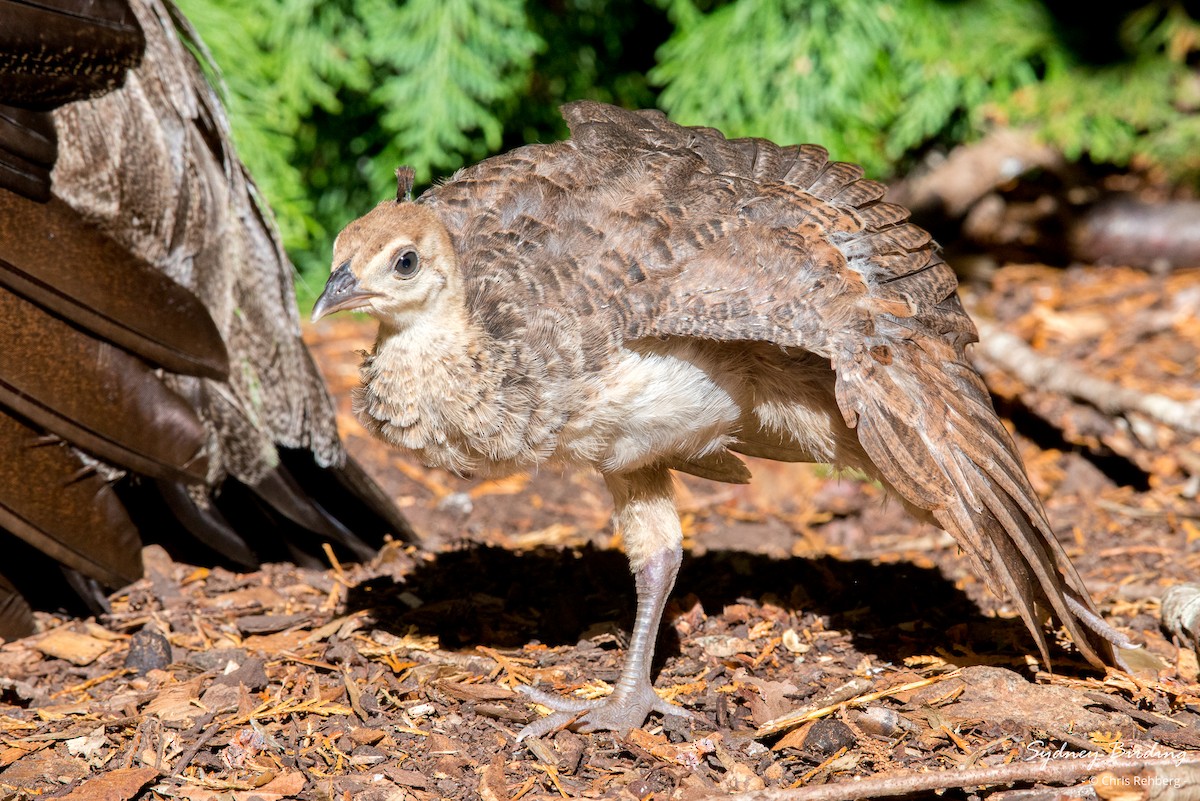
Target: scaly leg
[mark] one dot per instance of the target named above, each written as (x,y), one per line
(649,524)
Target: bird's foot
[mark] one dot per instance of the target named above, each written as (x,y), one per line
(620,712)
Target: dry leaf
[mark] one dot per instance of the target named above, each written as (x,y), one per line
(474,692)
(87,745)
(286,785)
(794,738)
(101,633)
(771,700)
(256,596)
(11,754)
(689,754)
(741,778)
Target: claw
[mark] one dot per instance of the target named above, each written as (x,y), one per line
(619,714)
(550,723)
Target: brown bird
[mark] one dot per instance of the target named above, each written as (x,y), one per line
(646,297)
(153,383)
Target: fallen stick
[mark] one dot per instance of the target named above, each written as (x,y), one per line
(971,171)
(1043,373)
(1044,771)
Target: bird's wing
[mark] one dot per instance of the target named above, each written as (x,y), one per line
(149,325)
(773,244)
(764,242)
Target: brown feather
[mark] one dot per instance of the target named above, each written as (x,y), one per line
(98,396)
(57,260)
(939,444)
(57,51)
(16,615)
(64,509)
(27,151)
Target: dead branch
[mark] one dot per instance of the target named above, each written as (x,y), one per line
(971,171)
(1080,792)
(1128,231)
(1048,772)
(1044,373)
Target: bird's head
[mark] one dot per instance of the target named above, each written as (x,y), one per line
(397,263)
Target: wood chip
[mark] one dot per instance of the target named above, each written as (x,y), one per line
(76,648)
(116,785)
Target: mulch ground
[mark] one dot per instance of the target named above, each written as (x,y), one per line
(817,635)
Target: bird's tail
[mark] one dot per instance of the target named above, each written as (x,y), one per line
(926,421)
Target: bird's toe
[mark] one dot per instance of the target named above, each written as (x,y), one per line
(618,712)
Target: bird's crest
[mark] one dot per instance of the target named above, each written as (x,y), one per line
(404,183)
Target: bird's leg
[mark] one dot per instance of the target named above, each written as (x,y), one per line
(649,524)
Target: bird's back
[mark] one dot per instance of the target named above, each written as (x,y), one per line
(648,228)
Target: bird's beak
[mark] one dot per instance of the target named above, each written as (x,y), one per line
(341,293)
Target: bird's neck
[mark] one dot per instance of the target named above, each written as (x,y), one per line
(429,355)
(424,387)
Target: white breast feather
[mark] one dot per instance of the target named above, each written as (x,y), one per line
(660,403)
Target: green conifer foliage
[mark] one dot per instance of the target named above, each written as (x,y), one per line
(451,69)
(877,82)
(327,97)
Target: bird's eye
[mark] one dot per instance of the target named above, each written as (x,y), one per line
(406,264)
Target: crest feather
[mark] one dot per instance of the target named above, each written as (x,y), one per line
(404,183)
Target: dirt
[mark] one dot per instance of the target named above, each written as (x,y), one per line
(816,635)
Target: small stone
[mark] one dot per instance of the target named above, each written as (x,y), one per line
(880,721)
(827,737)
(148,650)
(457,503)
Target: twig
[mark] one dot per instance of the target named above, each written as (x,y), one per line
(208,733)
(139,734)
(801,716)
(907,783)
(1133,511)
(1039,372)
(1121,230)
(1082,792)
(1121,705)
(1080,743)
(92,682)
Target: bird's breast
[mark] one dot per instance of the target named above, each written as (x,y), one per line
(658,401)
(654,401)
(457,404)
